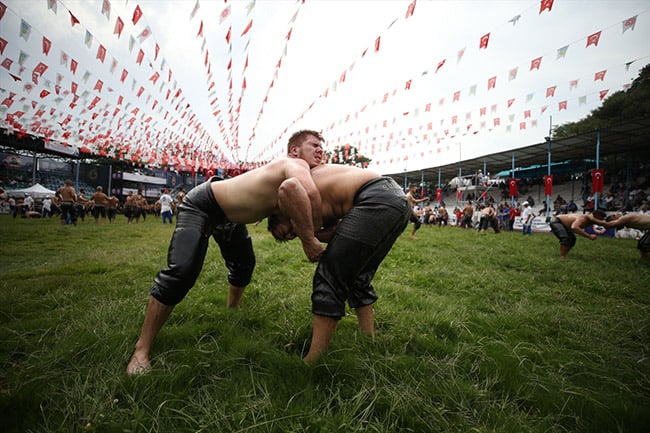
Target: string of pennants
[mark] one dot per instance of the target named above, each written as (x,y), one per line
(69,107)
(429,135)
(153,122)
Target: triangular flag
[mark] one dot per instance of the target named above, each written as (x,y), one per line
(73,19)
(514,20)
(101,53)
(51,4)
(248,27)
(629,23)
(25,29)
(544,5)
(106,9)
(224,14)
(119,26)
(410,9)
(593,39)
(550,91)
(535,63)
(47,44)
(603,93)
(137,14)
(484,41)
(144,34)
(195,10)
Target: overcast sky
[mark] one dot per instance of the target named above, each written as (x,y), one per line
(362,72)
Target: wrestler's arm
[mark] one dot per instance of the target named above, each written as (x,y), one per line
(576,227)
(295,202)
(299,170)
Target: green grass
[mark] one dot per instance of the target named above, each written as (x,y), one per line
(476,333)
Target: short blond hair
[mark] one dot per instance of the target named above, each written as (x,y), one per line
(299,136)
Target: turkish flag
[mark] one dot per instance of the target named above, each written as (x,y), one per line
(459,194)
(512,184)
(438,194)
(597,180)
(548,184)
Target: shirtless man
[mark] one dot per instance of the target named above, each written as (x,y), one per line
(112,205)
(633,220)
(247,198)
(100,202)
(564,226)
(414,218)
(488,217)
(363,214)
(67,197)
(468,213)
(82,204)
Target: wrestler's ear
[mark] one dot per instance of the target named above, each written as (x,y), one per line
(293,151)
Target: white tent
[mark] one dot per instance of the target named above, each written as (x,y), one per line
(37,191)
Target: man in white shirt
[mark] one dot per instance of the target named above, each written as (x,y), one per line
(527,217)
(166,210)
(28,204)
(47,207)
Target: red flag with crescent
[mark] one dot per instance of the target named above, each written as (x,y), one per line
(512,185)
(597,180)
(438,194)
(548,184)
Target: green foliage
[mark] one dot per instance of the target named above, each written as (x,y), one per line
(620,106)
(475,333)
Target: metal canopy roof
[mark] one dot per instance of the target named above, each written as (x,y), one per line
(631,137)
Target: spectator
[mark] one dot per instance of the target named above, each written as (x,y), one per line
(166,206)
(28,204)
(572,207)
(527,217)
(515,211)
(443,216)
(46,211)
(504,216)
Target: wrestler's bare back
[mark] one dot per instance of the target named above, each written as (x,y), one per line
(252,196)
(338,185)
(67,194)
(569,220)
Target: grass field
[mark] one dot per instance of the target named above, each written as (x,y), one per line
(476,333)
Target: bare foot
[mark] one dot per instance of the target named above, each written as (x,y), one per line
(139,364)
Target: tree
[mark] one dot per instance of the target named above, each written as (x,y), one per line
(347,155)
(620,106)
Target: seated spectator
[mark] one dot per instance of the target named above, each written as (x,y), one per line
(427,216)
(572,207)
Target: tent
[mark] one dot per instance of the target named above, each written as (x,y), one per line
(37,191)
